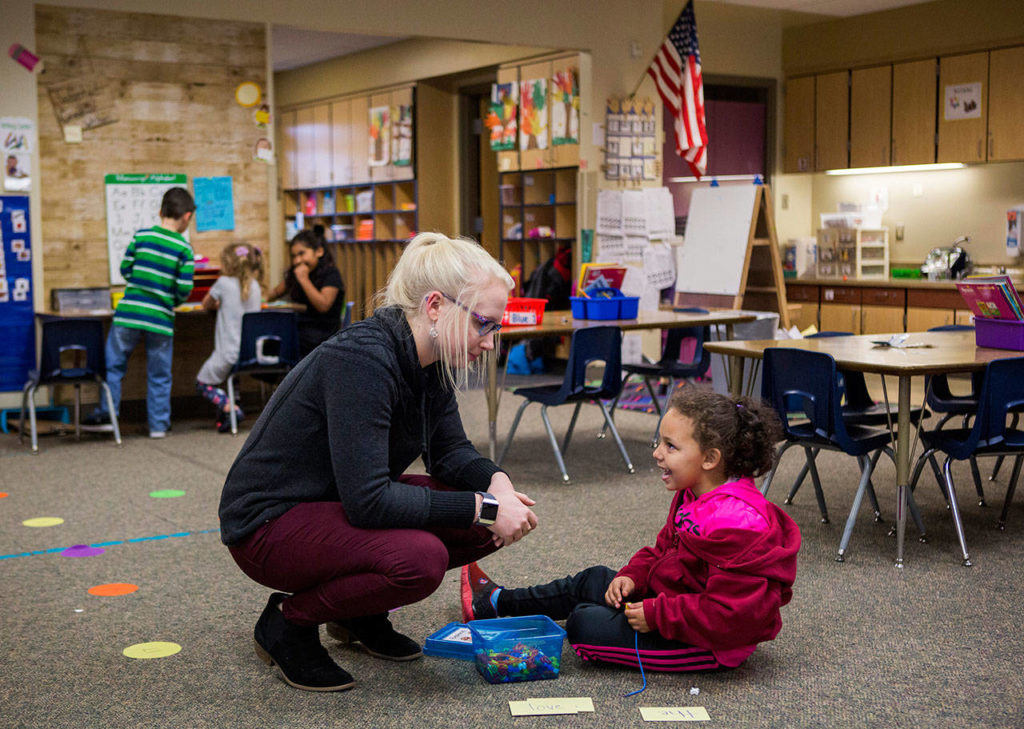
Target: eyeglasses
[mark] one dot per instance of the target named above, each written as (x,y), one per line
(487,326)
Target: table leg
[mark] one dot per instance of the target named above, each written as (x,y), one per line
(902,465)
(492,403)
(736,375)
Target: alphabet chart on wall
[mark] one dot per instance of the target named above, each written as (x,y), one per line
(133,203)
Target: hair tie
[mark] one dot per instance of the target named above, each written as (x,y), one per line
(241,251)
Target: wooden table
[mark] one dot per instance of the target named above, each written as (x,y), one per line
(945,352)
(558,323)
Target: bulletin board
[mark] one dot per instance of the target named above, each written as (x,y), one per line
(17,327)
(715,246)
(133,203)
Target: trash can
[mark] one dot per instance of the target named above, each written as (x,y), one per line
(764,327)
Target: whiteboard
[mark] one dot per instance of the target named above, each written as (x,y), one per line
(133,203)
(715,245)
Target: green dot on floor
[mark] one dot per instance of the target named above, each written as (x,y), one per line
(167,493)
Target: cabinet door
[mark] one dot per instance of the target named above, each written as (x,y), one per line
(1006,104)
(840,318)
(963,97)
(287,145)
(508,160)
(799,125)
(359,148)
(403,134)
(534,117)
(380,136)
(304,174)
(881,319)
(913,112)
(921,319)
(870,116)
(341,140)
(321,141)
(565,109)
(832,120)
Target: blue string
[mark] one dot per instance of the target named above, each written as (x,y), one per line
(636,643)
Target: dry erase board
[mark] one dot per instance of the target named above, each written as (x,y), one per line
(133,203)
(715,245)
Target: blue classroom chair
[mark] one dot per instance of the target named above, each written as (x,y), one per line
(269,348)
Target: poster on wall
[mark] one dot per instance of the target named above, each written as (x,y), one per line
(133,203)
(380,135)
(565,108)
(503,116)
(17,316)
(16,135)
(86,101)
(401,135)
(215,203)
(630,140)
(962,101)
(533,115)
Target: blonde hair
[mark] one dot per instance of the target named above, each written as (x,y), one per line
(458,267)
(244,262)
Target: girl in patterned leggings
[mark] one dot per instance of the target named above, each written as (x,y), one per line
(710,588)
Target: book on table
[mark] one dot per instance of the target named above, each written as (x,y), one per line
(992,297)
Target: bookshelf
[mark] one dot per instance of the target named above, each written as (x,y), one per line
(367,225)
(538,216)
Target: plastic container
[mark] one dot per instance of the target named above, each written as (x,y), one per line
(605,304)
(510,650)
(523,312)
(999,333)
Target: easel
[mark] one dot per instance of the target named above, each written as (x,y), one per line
(761,284)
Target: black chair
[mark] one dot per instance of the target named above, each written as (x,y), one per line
(1001,394)
(670,366)
(592,344)
(803,387)
(72,354)
(269,348)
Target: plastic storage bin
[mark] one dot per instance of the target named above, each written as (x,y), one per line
(999,333)
(509,650)
(604,306)
(523,312)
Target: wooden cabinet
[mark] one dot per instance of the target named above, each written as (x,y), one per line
(840,309)
(798,133)
(914,103)
(390,154)
(341,141)
(538,216)
(832,120)
(870,116)
(1006,105)
(963,139)
(538,146)
(806,298)
(287,146)
(882,310)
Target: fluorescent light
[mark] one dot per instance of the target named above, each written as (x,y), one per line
(720,178)
(898,168)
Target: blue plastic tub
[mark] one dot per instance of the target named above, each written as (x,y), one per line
(616,307)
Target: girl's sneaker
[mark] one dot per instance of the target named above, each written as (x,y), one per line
(476,590)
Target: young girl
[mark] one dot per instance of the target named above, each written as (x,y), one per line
(236,292)
(710,588)
(313,280)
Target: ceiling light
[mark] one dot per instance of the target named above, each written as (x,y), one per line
(898,168)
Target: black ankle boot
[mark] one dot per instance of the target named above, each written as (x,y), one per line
(297,651)
(376,636)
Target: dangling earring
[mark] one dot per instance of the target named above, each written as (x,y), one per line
(433,330)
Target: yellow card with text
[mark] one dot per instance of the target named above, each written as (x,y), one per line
(540,707)
(674,713)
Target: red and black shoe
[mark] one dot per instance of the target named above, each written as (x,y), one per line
(476,591)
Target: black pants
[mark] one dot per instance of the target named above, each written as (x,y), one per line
(598,632)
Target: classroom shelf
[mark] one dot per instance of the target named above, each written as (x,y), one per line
(367,226)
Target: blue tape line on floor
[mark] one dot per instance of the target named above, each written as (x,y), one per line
(157,537)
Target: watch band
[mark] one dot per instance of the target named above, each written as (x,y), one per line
(488,509)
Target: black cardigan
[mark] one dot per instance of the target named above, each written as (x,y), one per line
(344,425)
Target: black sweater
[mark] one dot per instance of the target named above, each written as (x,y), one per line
(344,425)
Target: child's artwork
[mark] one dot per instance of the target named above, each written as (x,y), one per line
(565,108)
(533,115)
(401,137)
(380,135)
(502,116)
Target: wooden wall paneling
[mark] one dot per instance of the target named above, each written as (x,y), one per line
(321,139)
(341,141)
(565,155)
(963,140)
(1006,104)
(870,116)
(832,120)
(914,100)
(533,156)
(509,160)
(799,125)
(403,97)
(359,148)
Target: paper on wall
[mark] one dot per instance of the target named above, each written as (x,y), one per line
(611,248)
(609,212)
(659,209)
(659,266)
(635,246)
(634,219)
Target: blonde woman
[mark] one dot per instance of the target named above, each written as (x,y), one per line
(316,506)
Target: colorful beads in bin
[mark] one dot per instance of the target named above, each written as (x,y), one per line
(522,663)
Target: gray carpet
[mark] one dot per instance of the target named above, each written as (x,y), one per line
(863,644)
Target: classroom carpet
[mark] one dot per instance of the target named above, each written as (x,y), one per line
(121,608)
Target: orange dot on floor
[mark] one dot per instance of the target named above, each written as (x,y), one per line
(112,589)
(3,494)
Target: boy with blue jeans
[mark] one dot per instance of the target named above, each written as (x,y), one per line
(157,267)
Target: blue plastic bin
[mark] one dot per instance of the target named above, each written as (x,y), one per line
(605,304)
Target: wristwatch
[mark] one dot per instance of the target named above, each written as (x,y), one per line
(488,509)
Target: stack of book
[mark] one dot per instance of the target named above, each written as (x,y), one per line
(998,312)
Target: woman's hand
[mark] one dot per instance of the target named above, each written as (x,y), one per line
(635,616)
(515,518)
(621,587)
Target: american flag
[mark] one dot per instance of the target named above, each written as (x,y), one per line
(676,72)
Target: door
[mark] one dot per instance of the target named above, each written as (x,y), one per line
(914,102)
(1006,104)
(832,120)
(870,116)
(963,96)
(799,125)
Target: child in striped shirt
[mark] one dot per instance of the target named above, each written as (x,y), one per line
(157,267)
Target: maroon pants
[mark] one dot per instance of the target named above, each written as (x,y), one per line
(335,570)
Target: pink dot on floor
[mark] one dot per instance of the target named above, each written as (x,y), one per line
(82,550)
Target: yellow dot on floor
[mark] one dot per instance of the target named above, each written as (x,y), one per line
(43,521)
(155,649)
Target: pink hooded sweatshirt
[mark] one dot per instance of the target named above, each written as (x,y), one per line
(722,566)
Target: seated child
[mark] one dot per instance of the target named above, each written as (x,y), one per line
(710,588)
